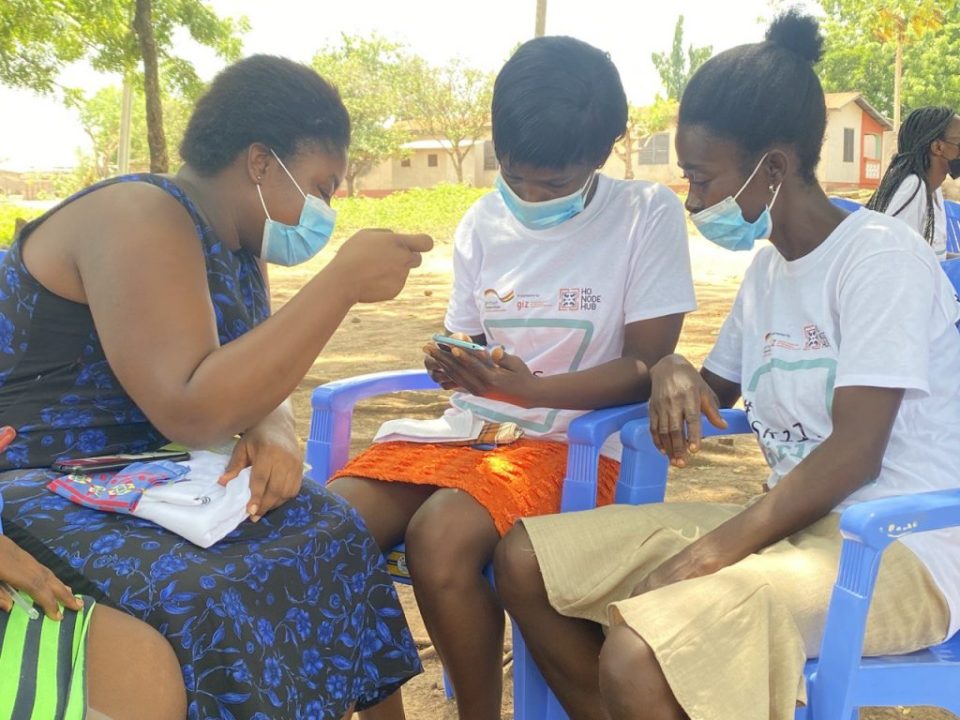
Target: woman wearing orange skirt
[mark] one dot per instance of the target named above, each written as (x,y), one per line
(584,281)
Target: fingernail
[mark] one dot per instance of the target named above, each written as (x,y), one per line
(255,518)
(253,510)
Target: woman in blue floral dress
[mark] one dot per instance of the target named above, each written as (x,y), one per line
(137,313)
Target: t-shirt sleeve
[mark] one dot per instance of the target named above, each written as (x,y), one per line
(463,312)
(726,357)
(909,203)
(659,281)
(886,309)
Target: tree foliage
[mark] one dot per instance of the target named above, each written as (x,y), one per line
(374,77)
(39,38)
(642,123)
(677,67)
(862,42)
(452,105)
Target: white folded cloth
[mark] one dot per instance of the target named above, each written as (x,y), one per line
(455,425)
(198,508)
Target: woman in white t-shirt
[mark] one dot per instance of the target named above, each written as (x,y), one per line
(584,280)
(928,149)
(842,345)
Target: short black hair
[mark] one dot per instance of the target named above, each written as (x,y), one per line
(265,99)
(764,93)
(921,128)
(557,102)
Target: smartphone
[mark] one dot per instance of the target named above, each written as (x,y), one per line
(102,463)
(450,342)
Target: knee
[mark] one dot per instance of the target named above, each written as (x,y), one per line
(517,572)
(625,661)
(447,544)
(167,675)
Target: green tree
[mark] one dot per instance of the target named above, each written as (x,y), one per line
(452,105)
(901,53)
(643,122)
(373,76)
(100,118)
(677,67)
(134,38)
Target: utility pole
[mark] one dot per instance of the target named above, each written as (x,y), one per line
(541,26)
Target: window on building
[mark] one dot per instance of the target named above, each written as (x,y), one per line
(848,137)
(405,162)
(433,160)
(489,156)
(655,151)
(871,146)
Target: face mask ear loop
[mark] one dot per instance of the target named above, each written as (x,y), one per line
(277,158)
(260,193)
(776,193)
(752,175)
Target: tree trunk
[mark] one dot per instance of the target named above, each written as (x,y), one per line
(628,157)
(541,26)
(156,138)
(897,83)
(351,179)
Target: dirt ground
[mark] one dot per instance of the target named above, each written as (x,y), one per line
(389,336)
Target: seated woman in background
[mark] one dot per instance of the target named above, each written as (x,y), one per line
(842,344)
(136,313)
(928,149)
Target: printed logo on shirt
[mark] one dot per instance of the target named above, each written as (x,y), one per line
(777,340)
(814,338)
(574,299)
(494,301)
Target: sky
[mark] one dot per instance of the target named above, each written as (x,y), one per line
(39,133)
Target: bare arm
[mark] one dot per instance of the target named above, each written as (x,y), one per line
(851,457)
(143,274)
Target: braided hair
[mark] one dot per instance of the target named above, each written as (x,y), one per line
(921,128)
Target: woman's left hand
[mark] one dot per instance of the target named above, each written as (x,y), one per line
(273,453)
(491,374)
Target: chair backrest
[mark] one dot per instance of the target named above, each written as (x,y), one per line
(846,204)
(952,210)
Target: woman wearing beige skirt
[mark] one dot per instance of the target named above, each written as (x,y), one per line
(842,345)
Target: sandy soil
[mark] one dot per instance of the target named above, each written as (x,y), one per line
(389,336)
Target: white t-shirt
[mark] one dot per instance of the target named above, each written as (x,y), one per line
(911,196)
(869,307)
(559,298)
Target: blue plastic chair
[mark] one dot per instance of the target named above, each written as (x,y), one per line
(328,448)
(846,204)
(952,211)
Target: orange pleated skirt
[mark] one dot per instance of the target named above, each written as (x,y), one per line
(522,479)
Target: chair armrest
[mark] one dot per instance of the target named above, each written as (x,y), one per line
(877,523)
(585,436)
(328,444)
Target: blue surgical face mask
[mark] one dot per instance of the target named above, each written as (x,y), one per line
(293,244)
(725,225)
(546,214)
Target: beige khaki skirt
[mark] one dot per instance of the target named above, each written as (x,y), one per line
(732,644)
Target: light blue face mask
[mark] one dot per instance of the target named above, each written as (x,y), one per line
(725,225)
(293,244)
(546,214)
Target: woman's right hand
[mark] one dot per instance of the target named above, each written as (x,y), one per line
(678,395)
(375,263)
(18,568)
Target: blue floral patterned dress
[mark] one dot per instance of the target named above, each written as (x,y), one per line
(292,617)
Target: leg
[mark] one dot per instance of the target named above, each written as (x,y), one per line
(567,650)
(386,507)
(631,680)
(389,709)
(449,542)
(120,646)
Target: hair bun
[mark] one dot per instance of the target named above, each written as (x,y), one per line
(798,33)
